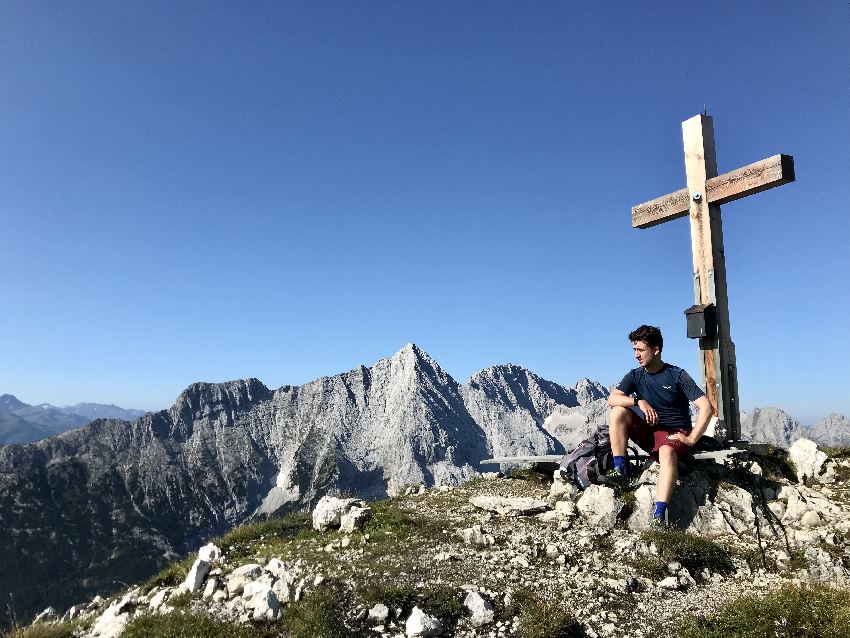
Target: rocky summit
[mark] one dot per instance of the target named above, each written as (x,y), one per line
(520,555)
(114,501)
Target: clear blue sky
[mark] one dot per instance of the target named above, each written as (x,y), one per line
(203,191)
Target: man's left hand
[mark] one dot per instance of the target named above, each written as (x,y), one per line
(684,438)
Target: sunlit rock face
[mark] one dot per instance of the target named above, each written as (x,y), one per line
(771,425)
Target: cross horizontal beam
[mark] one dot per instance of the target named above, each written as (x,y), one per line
(761,176)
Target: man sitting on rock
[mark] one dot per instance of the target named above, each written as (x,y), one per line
(650,407)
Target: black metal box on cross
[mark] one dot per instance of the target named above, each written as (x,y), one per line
(702,321)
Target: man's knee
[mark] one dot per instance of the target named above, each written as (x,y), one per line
(667,455)
(620,415)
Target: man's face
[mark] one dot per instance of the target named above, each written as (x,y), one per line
(644,354)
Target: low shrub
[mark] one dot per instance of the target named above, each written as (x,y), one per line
(192,625)
(181,600)
(836,452)
(387,518)
(693,552)
(789,612)
(445,603)
(393,596)
(238,542)
(170,575)
(320,614)
(541,617)
(776,465)
(43,630)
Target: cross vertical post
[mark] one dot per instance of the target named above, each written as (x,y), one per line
(700,201)
(717,353)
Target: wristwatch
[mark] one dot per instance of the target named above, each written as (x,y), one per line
(636,401)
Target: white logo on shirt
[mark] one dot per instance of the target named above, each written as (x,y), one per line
(667,387)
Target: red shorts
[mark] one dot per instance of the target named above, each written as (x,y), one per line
(651,439)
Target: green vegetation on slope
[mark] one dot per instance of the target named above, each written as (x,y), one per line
(788,612)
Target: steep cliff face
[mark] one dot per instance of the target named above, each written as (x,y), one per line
(771,425)
(831,430)
(112,501)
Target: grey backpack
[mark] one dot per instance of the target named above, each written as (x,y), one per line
(590,459)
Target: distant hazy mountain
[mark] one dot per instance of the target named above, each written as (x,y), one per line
(101,411)
(771,425)
(831,430)
(23,423)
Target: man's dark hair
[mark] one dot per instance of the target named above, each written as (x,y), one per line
(650,335)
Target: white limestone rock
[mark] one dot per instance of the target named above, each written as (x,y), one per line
(159,598)
(518,506)
(421,625)
(209,553)
(671,582)
(241,576)
(197,574)
(114,619)
(476,536)
(599,506)
(482,611)
(807,459)
(209,589)
(379,613)
(329,511)
(561,491)
(263,602)
(354,519)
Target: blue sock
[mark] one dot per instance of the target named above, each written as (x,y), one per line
(660,509)
(620,464)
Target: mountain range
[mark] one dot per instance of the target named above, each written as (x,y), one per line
(24,423)
(116,499)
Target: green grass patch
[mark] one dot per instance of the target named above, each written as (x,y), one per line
(192,625)
(445,603)
(44,630)
(320,614)
(393,596)
(789,612)
(650,566)
(388,518)
(241,541)
(755,559)
(181,600)
(776,466)
(170,575)
(836,452)
(691,551)
(534,474)
(542,617)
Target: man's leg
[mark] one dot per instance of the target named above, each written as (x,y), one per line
(668,472)
(618,430)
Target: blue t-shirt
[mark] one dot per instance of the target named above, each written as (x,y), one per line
(668,391)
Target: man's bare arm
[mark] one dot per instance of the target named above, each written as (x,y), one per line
(619,399)
(706,411)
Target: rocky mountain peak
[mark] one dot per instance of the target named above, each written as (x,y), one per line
(833,429)
(201,400)
(771,425)
(519,387)
(588,391)
(11,403)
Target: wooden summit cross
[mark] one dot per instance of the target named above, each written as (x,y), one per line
(701,200)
